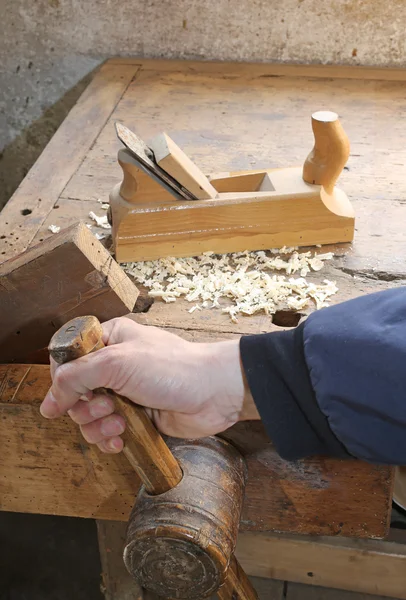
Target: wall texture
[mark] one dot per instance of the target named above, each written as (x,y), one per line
(49,48)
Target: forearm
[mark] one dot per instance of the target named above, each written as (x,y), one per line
(335,385)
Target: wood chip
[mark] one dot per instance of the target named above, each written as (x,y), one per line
(251,282)
(100,221)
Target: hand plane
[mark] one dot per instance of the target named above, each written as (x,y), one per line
(166,206)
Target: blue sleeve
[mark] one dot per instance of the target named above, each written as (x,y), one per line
(336,385)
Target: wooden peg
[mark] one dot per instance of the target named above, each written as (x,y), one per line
(144,447)
(330,153)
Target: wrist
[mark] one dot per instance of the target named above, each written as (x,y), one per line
(230,387)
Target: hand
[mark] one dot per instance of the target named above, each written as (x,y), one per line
(190,390)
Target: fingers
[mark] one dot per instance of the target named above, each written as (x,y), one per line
(73,380)
(95,428)
(87,412)
(111,446)
(103,429)
(99,433)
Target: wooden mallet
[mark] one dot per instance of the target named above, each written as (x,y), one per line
(183,528)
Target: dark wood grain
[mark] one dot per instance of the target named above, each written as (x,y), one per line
(67,275)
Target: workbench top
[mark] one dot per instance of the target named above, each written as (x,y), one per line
(226,117)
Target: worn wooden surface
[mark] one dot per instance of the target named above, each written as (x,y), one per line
(365,566)
(39,192)
(67,275)
(48,468)
(226,118)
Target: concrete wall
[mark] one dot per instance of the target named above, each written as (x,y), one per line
(48,49)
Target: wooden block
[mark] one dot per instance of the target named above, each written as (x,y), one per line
(69,274)
(47,467)
(366,566)
(175,162)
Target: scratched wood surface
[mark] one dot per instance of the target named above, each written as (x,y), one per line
(230,117)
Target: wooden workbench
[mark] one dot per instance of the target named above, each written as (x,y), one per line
(226,117)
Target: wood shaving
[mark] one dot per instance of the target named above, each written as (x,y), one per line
(253,281)
(104,205)
(100,221)
(54,229)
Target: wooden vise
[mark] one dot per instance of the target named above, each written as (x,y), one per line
(165,206)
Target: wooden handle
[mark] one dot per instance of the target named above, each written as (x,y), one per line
(330,153)
(237,586)
(144,447)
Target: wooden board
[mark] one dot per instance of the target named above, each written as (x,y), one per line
(298,591)
(68,275)
(226,117)
(48,468)
(266,69)
(365,566)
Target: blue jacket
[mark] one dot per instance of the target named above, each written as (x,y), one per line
(335,385)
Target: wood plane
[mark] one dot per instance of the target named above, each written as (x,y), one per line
(248,210)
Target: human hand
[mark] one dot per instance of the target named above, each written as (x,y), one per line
(190,390)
